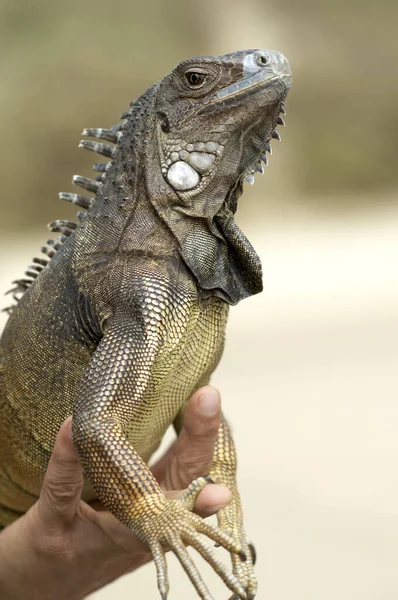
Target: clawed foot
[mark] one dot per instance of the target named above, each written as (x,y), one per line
(176,526)
(244,572)
(230,522)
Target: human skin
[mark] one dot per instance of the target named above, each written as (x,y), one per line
(66,549)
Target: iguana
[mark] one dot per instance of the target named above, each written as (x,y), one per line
(126,319)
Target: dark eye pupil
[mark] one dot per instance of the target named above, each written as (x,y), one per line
(195,78)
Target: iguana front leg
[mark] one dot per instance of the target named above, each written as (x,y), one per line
(230,519)
(112,394)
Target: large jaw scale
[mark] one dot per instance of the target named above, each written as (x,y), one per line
(189,165)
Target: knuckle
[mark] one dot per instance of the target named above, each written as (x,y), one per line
(202,432)
(60,492)
(195,466)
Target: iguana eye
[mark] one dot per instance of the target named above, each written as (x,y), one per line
(195,79)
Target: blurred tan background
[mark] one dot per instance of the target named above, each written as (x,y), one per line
(309,373)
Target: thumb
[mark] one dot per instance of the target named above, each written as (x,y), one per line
(191,455)
(63,483)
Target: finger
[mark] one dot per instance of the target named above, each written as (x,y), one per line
(63,482)
(192,454)
(121,536)
(194,449)
(202,416)
(210,500)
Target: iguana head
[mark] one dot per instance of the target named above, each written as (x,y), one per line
(215,118)
(213,121)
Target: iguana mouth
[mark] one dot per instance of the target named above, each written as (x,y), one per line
(250,85)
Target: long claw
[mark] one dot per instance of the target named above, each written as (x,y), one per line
(230,522)
(206,552)
(191,570)
(253,552)
(159,559)
(221,538)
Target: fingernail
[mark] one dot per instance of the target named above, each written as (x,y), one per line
(209,402)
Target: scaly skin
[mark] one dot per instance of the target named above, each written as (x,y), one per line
(128,317)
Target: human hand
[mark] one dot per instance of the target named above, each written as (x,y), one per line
(64,548)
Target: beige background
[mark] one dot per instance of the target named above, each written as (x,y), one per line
(309,373)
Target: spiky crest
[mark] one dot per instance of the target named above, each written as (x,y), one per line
(65,227)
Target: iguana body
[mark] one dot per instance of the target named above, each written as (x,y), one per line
(127,319)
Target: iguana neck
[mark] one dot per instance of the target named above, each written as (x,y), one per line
(212,246)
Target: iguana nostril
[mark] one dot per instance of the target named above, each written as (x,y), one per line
(262,60)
